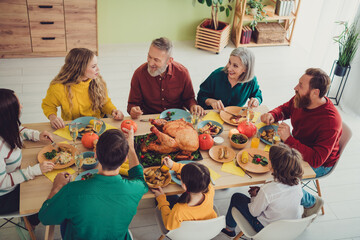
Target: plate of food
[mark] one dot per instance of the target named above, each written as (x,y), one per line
(63,157)
(228,115)
(268,134)
(86,174)
(254,160)
(210,127)
(177,177)
(157,177)
(86,124)
(222,153)
(175,114)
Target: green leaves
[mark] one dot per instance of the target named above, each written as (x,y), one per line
(227,12)
(222,8)
(209,3)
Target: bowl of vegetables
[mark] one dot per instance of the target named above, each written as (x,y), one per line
(238,140)
(89,160)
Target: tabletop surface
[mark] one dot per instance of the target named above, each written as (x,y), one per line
(34,192)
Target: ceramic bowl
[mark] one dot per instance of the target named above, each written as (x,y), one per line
(239,145)
(86,165)
(203,123)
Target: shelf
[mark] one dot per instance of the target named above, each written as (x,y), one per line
(254,44)
(275,17)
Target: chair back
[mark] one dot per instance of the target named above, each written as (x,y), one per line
(198,230)
(345,137)
(282,229)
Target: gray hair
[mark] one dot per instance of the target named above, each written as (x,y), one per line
(248,59)
(164,44)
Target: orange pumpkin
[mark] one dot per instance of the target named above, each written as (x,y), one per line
(88,139)
(247,128)
(205,141)
(128,124)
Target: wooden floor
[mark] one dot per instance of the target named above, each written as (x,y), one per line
(277,69)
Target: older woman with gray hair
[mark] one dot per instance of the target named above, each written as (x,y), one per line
(233,84)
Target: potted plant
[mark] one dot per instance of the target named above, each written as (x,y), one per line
(348,42)
(212,34)
(256,9)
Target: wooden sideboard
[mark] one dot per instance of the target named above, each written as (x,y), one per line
(46,28)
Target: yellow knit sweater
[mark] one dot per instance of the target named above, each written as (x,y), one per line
(182,211)
(81,104)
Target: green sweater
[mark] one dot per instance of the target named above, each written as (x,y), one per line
(217,86)
(99,208)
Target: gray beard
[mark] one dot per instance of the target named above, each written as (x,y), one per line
(158,71)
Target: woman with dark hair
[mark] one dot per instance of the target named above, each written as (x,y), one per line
(196,203)
(11,136)
(278,199)
(233,84)
(79,90)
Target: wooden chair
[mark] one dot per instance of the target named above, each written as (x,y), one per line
(279,230)
(344,139)
(194,230)
(9,219)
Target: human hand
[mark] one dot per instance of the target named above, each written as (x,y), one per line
(129,134)
(253,191)
(216,104)
(197,110)
(46,136)
(136,112)
(267,118)
(168,162)
(253,103)
(60,180)
(117,115)
(46,166)
(56,122)
(157,191)
(284,131)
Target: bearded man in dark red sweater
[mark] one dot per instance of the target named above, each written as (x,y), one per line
(317,127)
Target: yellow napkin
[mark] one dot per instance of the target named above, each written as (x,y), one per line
(214,175)
(256,116)
(260,125)
(63,132)
(230,167)
(108,126)
(214,116)
(51,175)
(267,148)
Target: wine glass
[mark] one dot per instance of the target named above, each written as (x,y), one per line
(74,131)
(78,161)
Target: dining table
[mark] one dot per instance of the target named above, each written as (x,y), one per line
(34,192)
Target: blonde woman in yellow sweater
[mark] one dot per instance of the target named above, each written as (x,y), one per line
(196,203)
(78,90)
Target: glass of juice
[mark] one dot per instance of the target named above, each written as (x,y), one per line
(255,141)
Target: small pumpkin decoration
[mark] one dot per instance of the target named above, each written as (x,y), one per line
(88,139)
(247,128)
(233,131)
(205,141)
(128,124)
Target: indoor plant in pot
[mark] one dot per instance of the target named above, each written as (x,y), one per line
(212,34)
(348,42)
(256,9)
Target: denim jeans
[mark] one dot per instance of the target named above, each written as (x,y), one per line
(308,200)
(240,202)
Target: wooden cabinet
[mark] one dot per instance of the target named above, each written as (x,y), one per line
(241,19)
(44,28)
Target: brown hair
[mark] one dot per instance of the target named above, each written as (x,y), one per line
(286,164)
(111,149)
(320,80)
(9,118)
(73,70)
(196,178)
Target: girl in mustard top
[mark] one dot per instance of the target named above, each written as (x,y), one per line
(196,203)
(78,90)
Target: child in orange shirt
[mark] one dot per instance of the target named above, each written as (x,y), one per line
(196,203)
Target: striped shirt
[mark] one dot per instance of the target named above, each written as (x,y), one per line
(10,160)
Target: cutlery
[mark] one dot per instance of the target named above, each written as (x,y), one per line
(237,164)
(158,171)
(234,115)
(212,181)
(144,120)
(55,146)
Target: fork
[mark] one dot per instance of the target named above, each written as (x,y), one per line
(158,171)
(55,146)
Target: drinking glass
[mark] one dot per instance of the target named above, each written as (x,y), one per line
(276,139)
(78,161)
(255,141)
(97,125)
(74,131)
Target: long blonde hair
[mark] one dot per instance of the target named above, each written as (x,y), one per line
(73,70)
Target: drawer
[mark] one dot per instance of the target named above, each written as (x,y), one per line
(42,13)
(47,28)
(49,43)
(45,2)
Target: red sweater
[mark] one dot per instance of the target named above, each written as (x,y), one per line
(316,132)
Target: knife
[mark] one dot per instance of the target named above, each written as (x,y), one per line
(237,164)
(144,120)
